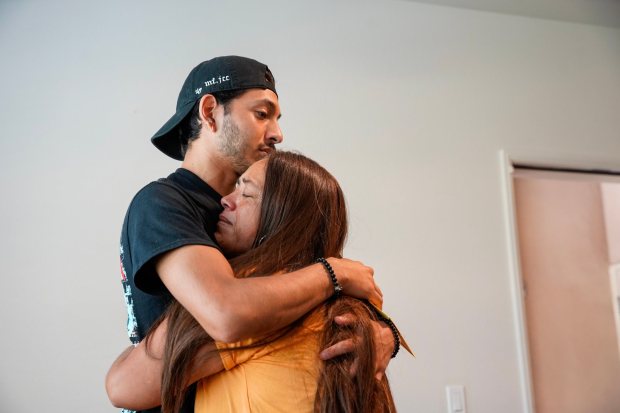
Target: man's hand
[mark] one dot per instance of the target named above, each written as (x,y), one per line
(384,345)
(357,280)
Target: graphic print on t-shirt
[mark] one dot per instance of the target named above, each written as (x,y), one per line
(132,323)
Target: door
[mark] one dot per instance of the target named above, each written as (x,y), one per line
(565,257)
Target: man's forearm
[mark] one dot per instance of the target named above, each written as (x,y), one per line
(269,303)
(231,309)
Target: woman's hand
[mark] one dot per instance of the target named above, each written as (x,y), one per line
(383,340)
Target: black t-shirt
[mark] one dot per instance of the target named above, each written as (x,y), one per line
(167,214)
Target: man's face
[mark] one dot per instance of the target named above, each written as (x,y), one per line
(250,128)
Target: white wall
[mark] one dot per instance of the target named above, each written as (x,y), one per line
(406,103)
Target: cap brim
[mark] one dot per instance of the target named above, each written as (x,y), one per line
(166,139)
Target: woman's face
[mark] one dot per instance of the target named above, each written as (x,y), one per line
(238,224)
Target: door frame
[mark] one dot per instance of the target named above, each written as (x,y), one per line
(562,163)
(516,282)
(614,279)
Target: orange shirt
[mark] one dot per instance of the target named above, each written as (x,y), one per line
(277,377)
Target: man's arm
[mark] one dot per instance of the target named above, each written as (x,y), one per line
(134,380)
(231,309)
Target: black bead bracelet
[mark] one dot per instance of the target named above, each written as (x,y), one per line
(392,326)
(332,276)
(382,316)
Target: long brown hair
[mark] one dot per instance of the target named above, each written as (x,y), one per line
(303,217)
(338,391)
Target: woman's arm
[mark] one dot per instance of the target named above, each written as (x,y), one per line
(134,380)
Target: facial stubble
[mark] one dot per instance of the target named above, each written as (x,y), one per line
(233,144)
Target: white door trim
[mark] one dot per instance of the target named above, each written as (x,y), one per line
(516,282)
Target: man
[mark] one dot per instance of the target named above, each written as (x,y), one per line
(226,119)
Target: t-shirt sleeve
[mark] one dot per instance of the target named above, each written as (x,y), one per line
(160,219)
(234,354)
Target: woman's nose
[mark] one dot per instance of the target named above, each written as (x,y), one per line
(227,202)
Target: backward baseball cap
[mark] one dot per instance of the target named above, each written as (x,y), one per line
(224,73)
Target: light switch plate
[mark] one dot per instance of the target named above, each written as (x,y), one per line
(456,399)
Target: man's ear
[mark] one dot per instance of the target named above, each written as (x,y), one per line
(208,103)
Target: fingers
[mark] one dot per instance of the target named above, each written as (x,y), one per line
(338,349)
(377,296)
(343,347)
(345,320)
(353,369)
(376,300)
(383,347)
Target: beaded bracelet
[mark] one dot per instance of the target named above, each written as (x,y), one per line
(392,326)
(399,340)
(332,276)
(382,315)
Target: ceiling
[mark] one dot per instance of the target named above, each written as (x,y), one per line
(595,12)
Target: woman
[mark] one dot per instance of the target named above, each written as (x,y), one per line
(285,213)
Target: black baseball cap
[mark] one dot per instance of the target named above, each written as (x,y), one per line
(214,75)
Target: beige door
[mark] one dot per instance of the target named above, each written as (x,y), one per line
(572,337)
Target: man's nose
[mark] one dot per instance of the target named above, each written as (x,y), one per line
(274,134)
